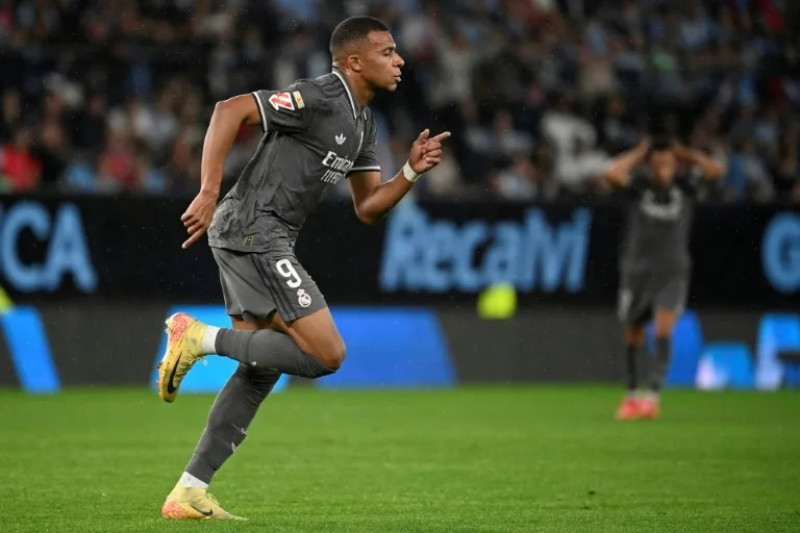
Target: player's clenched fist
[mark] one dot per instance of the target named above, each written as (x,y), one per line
(197,217)
(426,152)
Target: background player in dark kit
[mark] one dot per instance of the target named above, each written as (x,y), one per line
(655,263)
(316,132)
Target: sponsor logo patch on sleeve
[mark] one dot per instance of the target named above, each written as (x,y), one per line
(299,99)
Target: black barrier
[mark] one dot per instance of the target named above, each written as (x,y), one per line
(56,249)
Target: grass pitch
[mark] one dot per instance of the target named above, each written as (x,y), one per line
(469,459)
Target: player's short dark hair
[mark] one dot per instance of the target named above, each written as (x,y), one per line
(353,29)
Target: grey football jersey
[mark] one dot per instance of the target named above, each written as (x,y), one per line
(315,133)
(659,221)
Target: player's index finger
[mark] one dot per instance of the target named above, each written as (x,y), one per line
(194,237)
(190,241)
(442,136)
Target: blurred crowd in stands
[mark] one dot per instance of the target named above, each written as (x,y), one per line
(114,96)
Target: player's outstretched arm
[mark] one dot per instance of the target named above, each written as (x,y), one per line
(373,199)
(711,168)
(228,116)
(620,167)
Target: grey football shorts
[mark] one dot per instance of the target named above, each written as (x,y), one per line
(255,285)
(643,293)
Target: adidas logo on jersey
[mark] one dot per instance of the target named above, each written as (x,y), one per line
(340,139)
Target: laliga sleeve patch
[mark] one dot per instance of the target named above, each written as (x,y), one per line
(282,100)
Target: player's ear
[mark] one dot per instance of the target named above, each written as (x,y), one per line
(355,62)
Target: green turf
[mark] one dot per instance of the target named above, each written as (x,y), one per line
(470,459)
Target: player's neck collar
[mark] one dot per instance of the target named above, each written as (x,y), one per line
(353,102)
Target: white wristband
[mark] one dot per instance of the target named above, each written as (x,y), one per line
(409,174)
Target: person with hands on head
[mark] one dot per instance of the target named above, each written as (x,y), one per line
(315,133)
(661,181)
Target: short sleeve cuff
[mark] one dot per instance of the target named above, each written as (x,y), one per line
(261,111)
(364,169)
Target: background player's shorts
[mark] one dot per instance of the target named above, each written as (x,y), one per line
(256,284)
(641,294)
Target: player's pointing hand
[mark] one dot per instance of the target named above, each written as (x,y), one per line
(426,152)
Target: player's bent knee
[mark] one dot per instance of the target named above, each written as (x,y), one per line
(635,335)
(664,325)
(331,355)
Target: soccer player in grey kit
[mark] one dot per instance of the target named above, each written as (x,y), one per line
(655,260)
(316,132)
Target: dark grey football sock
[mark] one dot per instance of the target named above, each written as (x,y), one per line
(269,349)
(631,354)
(230,416)
(660,363)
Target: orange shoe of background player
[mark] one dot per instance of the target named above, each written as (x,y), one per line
(649,408)
(629,409)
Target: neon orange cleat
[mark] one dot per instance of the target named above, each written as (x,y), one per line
(649,408)
(185,503)
(629,409)
(184,336)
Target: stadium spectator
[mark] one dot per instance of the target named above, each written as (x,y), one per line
(20,169)
(724,76)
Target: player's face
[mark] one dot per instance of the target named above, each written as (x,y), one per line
(663,166)
(381,63)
